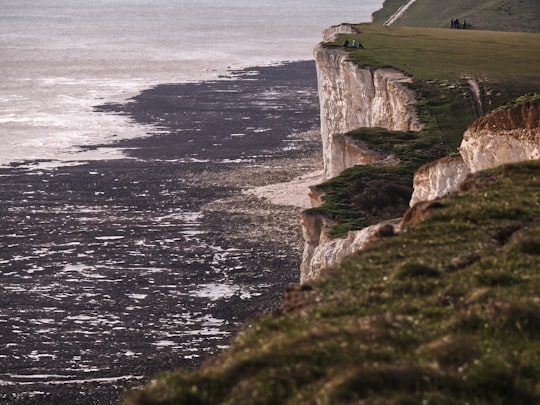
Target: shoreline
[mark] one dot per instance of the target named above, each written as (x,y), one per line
(291,193)
(86,150)
(82,153)
(129,267)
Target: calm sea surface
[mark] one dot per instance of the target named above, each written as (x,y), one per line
(58,58)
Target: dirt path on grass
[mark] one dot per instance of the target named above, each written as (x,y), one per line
(394,17)
(475,91)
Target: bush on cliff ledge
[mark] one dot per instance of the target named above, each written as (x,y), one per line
(446,312)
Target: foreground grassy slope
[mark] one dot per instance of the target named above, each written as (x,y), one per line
(498,15)
(440,62)
(446,312)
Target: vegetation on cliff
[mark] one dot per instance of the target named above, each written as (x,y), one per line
(441,63)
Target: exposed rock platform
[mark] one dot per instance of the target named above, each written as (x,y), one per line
(114,270)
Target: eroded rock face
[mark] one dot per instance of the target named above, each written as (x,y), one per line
(321,253)
(352,97)
(330,33)
(438,179)
(510,134)
(350,152)
(314,231)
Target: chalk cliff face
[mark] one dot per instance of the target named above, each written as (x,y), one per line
(353,97)
(438,179)
(322,253)
(330,33)
(509,134)
(349,152)
(350,98)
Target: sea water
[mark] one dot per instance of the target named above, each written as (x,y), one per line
(59,58)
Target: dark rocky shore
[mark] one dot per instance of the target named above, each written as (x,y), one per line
(112,271)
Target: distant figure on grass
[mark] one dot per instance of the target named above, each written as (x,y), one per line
(455,24)
(355,44)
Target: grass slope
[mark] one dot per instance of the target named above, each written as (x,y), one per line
(497,15)
(444,313)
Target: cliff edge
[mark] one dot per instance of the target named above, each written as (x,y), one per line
(352,97)
(507,135)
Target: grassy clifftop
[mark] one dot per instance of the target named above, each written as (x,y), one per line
(444,313)
(500,58)
(497,15)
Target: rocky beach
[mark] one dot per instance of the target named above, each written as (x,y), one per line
(114,270)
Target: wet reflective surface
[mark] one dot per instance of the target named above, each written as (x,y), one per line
(113,270)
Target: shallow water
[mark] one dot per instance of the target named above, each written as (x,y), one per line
(114,270)
(60,58)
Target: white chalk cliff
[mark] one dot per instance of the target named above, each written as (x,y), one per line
(507,135)
(438,179)
(321,252)
(350,98)
(353,97)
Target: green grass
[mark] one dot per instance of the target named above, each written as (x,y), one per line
(528,97)
(446,312)
(363,195)
(498,58)
(497,15)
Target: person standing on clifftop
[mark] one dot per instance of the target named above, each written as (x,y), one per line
(346,43)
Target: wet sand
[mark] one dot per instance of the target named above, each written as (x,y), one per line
(114,270)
